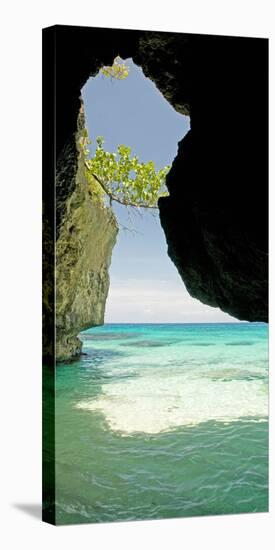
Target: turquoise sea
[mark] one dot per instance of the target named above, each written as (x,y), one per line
(163,421)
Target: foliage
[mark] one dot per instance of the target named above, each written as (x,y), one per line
(117,70)
(119,175)
(124,179)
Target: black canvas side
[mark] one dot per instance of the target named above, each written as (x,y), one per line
(48,274)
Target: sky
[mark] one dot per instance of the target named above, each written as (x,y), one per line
(145,286)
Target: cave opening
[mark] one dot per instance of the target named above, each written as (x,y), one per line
(145,286)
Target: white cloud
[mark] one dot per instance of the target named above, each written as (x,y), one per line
(157,301)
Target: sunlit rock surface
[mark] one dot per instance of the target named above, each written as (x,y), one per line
(86,237)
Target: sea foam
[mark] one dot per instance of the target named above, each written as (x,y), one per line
(152,402)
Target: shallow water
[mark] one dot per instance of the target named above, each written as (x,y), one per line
(159,421)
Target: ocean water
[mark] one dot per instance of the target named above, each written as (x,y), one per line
(163,421)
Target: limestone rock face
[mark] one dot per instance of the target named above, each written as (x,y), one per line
(84,246)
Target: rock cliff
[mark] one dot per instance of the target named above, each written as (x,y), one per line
(215,219)
(84,246)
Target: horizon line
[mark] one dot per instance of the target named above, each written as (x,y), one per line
(183,323)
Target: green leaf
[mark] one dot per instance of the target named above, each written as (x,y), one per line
(128,180)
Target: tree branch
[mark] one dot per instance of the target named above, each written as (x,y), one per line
(117,199)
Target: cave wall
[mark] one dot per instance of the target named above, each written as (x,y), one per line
(80,52)
(84,247)
(215,219)
(79,232)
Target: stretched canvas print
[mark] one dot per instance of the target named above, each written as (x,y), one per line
(155,301)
